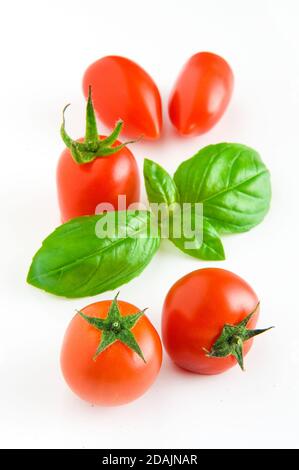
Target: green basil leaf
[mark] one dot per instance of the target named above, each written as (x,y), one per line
(74,262)
(231,182)
(160,188)
(159,185)
(204,243)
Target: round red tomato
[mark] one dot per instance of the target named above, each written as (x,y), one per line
(123,90)
(111,353)
(195,312)
(201,94)
(82,187)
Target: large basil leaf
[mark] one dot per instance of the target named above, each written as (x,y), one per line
(159,185)
(74,262)
(231,181)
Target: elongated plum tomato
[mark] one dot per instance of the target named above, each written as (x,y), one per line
(123,90)
(111,353)
(201,94)
(95,170)
(207,321)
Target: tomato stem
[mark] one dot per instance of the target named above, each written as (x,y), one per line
(93,146)
(91,130)
(114,328)
(232,337)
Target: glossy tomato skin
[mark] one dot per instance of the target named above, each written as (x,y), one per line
(118,375)
(195,311)
(121,89)
(201,94)
(82,187)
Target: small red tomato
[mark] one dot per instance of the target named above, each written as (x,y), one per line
(207,316)
(111,353)
(95,170)
(201,94)
(123,90)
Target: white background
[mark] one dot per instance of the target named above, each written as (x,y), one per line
(46,47)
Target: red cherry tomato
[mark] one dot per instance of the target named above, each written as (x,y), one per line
(201,94)
(95,170)
(82,187)
(116,375)
(123,90)
(195,311)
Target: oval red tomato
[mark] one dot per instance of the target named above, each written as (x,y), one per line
(95,170)
(117,374)
(123,90)
(82,187)
(201,94)
(197,308)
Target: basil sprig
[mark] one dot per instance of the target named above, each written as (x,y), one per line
(75,262)
(231,183)
(229,180)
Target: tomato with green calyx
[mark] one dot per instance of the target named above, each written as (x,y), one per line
(95,170)
(208,321)
(123,90)
(111,353)
(201,94)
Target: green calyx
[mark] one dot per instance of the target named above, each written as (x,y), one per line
(115,328)
(92,147)
(232,337)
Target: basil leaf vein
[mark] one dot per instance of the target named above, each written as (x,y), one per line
(74,262)
(231,181)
